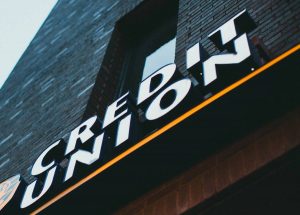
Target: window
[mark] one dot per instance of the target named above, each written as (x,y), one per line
(142,41)
(150,41)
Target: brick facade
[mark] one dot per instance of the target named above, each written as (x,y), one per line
(52,87)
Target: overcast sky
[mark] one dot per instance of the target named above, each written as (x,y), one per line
(19,22)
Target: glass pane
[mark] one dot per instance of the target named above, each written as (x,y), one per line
(161,57)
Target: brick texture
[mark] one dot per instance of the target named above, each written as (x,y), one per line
(47,94)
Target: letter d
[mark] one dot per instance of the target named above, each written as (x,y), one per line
(145,90)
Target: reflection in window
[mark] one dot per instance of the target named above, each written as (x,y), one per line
(160,57)
(152,46)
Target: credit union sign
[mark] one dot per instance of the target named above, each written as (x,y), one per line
(164,99)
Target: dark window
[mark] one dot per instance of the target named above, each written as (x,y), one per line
(150,37)
(142,41)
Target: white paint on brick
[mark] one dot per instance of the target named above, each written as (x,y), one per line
(19,104)
(2,164)
(27,83)
(85,90)
(15,115)
(24,138)
(6,139)
(78,82)
(47,101)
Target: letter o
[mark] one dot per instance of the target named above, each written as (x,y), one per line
(181,88)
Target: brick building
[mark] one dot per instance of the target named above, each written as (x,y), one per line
(79,63)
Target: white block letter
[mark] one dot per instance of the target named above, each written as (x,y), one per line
(144,90)
(181,89)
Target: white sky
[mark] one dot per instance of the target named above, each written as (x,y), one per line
(19,22)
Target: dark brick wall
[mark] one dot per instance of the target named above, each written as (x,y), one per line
(222,170)
(48,92)
(278,23)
